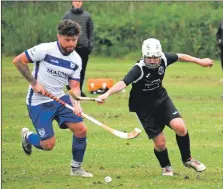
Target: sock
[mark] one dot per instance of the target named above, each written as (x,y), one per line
(78,150)
(34,140)
(75,164)
(184,146)
(162,157)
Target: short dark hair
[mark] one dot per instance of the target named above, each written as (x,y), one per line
(69,28)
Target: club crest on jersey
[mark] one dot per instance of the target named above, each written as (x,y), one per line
(72,65)
(42,132)
(161,70)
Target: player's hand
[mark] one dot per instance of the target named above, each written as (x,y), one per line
(38,88)
(103,97)
(206,62)
(78,110)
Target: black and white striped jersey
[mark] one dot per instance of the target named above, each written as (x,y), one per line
(147,86)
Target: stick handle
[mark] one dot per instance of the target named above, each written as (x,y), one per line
(109,129)
(83,98)
(83,114)
(55,98)
(58,100)
(98,100)
(91,99)
(98,122)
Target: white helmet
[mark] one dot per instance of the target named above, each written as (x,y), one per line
(151,48)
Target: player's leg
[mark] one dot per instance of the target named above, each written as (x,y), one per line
(182,137)
(41,116)
(221,54)
(79,145)
(174,120)
(221,58)
(84,54)
(26,145)
(67,119)
(30,139)
(183,141)
(154,131)
(161,153)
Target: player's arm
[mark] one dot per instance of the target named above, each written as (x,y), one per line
(205,62)
(90,29)
(74,83)
(218,35)
(75,87)
(21,63)
(131,76)
(120,85)
(66,16)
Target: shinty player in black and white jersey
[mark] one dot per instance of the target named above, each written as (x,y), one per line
(154,108)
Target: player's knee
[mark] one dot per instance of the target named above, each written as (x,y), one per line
(160,145)
(81,132)
(49,144)
(181,130)
(159,142)
(178,126)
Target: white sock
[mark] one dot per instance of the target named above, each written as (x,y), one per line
(75,163)
(28,133)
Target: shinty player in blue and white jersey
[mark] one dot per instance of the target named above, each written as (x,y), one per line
(54,64)
(151,103)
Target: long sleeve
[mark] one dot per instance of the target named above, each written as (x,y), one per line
(218,34)
(90,28)
(65,16)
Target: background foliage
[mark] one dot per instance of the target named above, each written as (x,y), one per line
(120,27)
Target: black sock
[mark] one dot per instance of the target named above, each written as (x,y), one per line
(162,157)
(184,146)
(74,167)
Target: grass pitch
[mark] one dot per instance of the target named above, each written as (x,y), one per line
(196,92)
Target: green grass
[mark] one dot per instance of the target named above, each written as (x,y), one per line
(196,92)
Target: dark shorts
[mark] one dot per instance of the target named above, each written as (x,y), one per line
(42,116)
(156,118)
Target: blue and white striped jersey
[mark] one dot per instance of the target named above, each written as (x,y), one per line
(52,70)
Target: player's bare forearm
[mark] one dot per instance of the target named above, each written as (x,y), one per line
(77,93)
(116,88)
(76,104)
(24,70)
(205,62)
(187,58)
(21,64)
(75,88)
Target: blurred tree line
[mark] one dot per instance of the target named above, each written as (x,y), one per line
(120,27)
